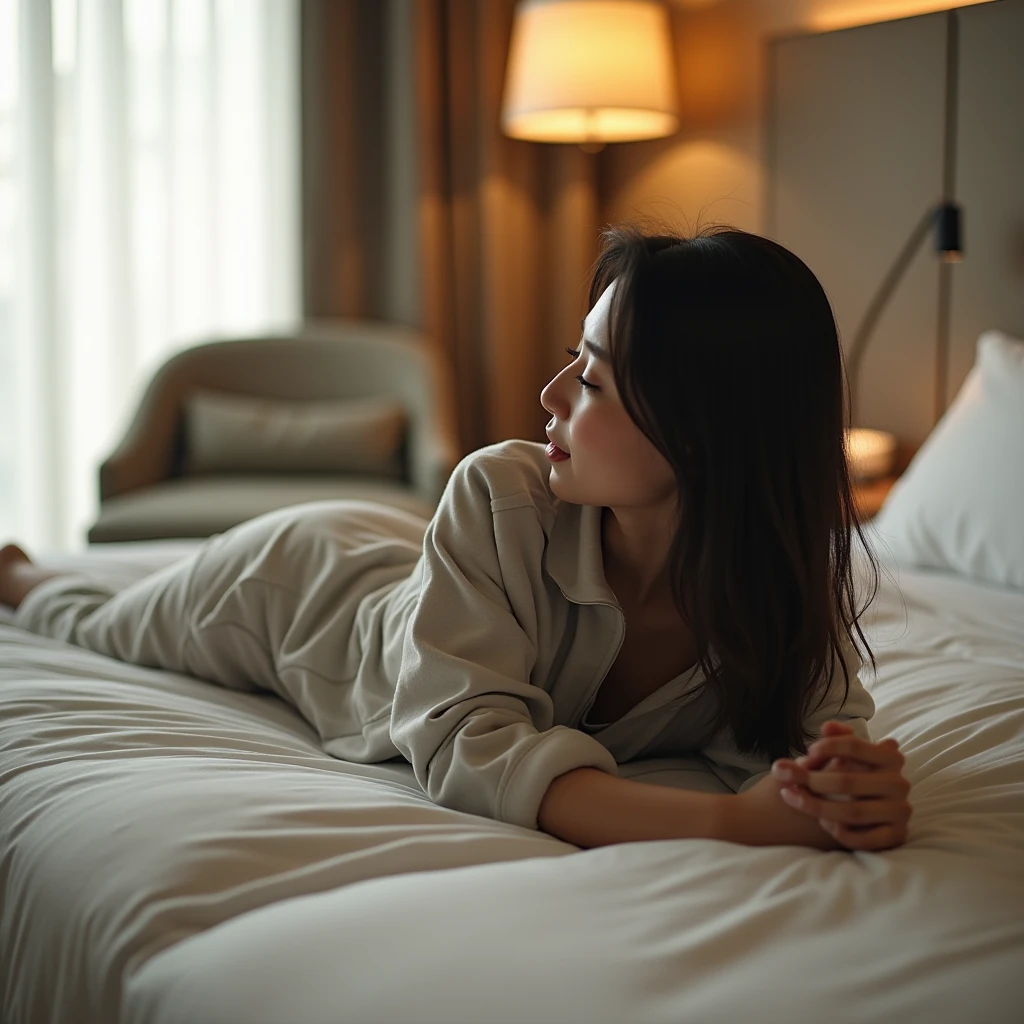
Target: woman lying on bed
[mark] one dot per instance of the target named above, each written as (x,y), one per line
(671,576)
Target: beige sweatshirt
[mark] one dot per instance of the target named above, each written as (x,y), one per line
(507,630)
(471,645)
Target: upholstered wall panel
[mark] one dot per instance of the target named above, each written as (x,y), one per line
(988,286)
(854,151)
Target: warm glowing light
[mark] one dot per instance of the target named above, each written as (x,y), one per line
(865,12)
(590,71)
(870,453)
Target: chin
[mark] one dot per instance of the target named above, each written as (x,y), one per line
(566,488)
(560,486)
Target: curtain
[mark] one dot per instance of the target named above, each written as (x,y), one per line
(418,209)
(149,199)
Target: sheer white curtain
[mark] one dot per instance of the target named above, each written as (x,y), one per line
(148,199)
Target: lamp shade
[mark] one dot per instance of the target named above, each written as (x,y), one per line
(590,71)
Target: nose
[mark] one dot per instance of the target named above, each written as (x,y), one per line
(552,398)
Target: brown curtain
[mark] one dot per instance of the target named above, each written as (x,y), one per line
(418,209)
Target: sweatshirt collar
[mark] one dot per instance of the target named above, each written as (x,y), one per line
(575,560)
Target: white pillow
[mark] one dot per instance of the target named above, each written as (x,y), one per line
(960,504)
(228,432)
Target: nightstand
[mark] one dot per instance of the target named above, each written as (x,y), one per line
(868,495)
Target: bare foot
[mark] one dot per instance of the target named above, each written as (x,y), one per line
(19,575)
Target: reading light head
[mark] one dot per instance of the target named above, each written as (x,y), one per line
(947,232)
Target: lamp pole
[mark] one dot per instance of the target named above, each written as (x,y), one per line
(874,311)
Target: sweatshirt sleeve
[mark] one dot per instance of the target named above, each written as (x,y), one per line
(741,771)
(478,734)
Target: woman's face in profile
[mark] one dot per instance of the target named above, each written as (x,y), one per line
(610,461)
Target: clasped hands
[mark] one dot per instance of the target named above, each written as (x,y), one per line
(875,814)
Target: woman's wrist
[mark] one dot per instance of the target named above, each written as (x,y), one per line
(760,817)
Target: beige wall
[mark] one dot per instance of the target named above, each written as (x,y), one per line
(711,169)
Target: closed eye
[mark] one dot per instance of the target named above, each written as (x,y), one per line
(575,353)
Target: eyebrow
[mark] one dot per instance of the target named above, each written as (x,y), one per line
(601,353)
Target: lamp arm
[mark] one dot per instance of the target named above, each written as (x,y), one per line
(874,310)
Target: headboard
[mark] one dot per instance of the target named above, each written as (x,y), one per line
(857,130)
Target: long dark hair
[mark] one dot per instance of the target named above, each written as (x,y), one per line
(726,355)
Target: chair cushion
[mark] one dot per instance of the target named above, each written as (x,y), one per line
(228,432)
(201,506)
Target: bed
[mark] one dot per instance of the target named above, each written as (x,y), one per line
(174,852)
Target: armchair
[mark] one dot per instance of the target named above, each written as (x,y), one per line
(147,491)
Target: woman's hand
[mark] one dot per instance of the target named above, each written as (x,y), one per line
(873,810)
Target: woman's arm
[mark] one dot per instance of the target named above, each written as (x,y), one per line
(479,735)
(589,807)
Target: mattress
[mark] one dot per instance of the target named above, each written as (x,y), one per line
(174,852)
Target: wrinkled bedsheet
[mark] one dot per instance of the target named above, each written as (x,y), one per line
(174,852)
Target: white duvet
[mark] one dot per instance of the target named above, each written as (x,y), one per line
(174,852)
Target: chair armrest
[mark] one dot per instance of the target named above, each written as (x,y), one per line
(432,464)
(145,454)
(436,450)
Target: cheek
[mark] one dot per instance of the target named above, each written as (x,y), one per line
(625,459)
(595,434)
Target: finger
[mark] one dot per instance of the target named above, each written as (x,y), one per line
(799,770)
(824,780)
(885,837)
(814,761)
(885,754)
(846,764)
(858,784)
(849,812)
(833,727)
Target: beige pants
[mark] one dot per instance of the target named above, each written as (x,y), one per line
(292,602)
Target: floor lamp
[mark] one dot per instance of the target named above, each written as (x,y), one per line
(590,72)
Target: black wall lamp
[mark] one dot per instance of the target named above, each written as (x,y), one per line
(946,219)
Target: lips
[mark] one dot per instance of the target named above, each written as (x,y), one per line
(555,444)
(554,453)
